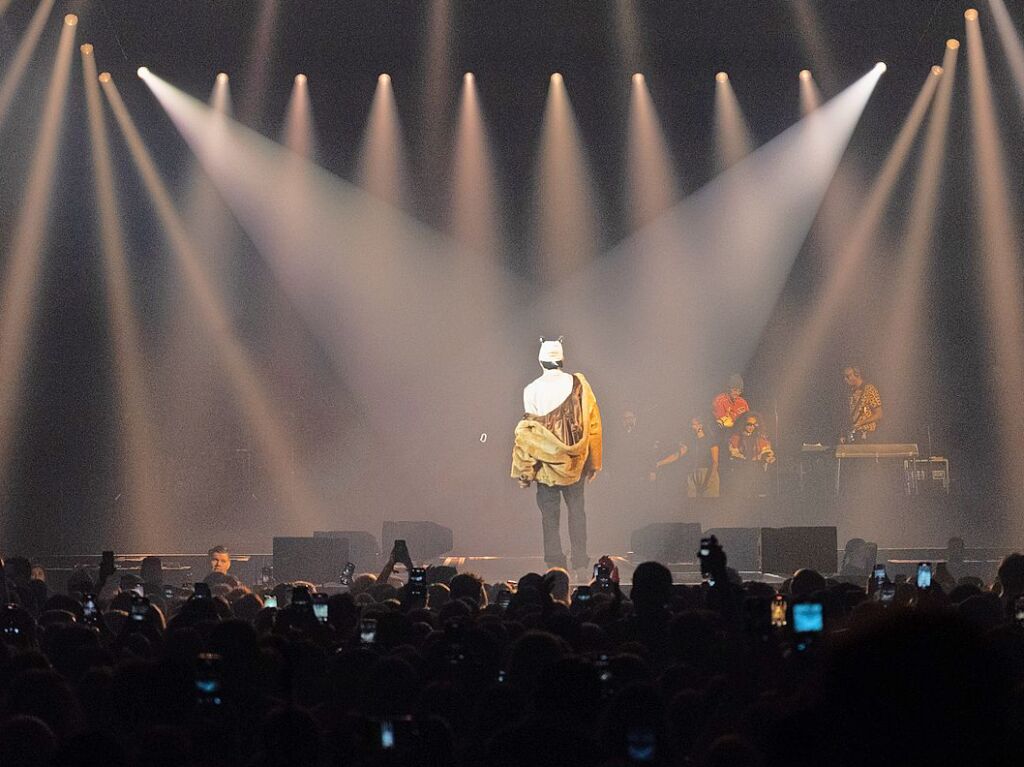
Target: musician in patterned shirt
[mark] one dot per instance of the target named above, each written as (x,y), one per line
(864,407)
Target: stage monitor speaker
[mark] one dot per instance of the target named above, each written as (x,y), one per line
(666,542)
(317,560)
(742,547)
(784,550)
(362,547)
(426,540)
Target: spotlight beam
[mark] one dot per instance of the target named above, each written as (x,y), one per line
(242,374)
(24,259)
(851,256)
(139,455)
(906,344)
(732,136)
(1000,248)
(22,57)
(1013,47)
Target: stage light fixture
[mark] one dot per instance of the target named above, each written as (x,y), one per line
(300,79)
(952,44)
(805,74)
(384,78)
(468,77)
(638,78)
(104,77)
(722,77)
(142,72)
(971,14)
(86,49)
(222,77)
(71,19)
(936,70)
(881,67)
(556,78)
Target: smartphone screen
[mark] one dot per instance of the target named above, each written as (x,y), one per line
(346,574)
(924,575)
(89,609)
(887,592)
(139,608)
(778,611)
(368,630)
(808,617)
(879,574)
(387,734)
(300,596)
(270,601)
(320,607)
(504,597)
(202,591)
(705,547)
(1018,610)
(583,593)
(168,592)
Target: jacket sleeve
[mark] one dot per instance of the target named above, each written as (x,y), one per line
(524,465)
(596,442)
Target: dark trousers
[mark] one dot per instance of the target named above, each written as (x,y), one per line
(549,502)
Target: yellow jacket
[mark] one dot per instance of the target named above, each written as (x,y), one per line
(539,456)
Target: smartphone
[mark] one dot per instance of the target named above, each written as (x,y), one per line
(320,607)
(387,734)
(368,630)
(924,575)
(301,597)
(879,575)
(345,579)
(202,591)
(603,576)
(582,594)
(401,550)
(418,581)
(1018,610)
(168,592)
(887,592)
(504,597)
(808,617)
(641,744)
(778,611)
(270,600)
(139,608)
(207,680)
(266,575)
(705,547)
(90,611)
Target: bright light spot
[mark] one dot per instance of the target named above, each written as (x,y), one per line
(556,78)
(104,77)
(880,66)
(952,44)
(722,77)
(638,78)
(300,79)
(468,77)
(936,70)
(971,14)
(71,19)
(142,72)
(805,74)
(86,49)
(222,77)
(384,79)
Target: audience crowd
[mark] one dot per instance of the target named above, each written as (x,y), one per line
(123,669)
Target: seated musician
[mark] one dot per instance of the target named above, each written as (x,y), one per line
(750,455)
(864,407)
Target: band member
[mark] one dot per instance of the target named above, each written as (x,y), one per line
(730,405)
(864,407)
(558,446)
(702,481)
(750,455)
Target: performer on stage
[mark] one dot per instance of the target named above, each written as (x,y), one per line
(750,455)
(558,446)
(702,481)
(730,405)
(864,407)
